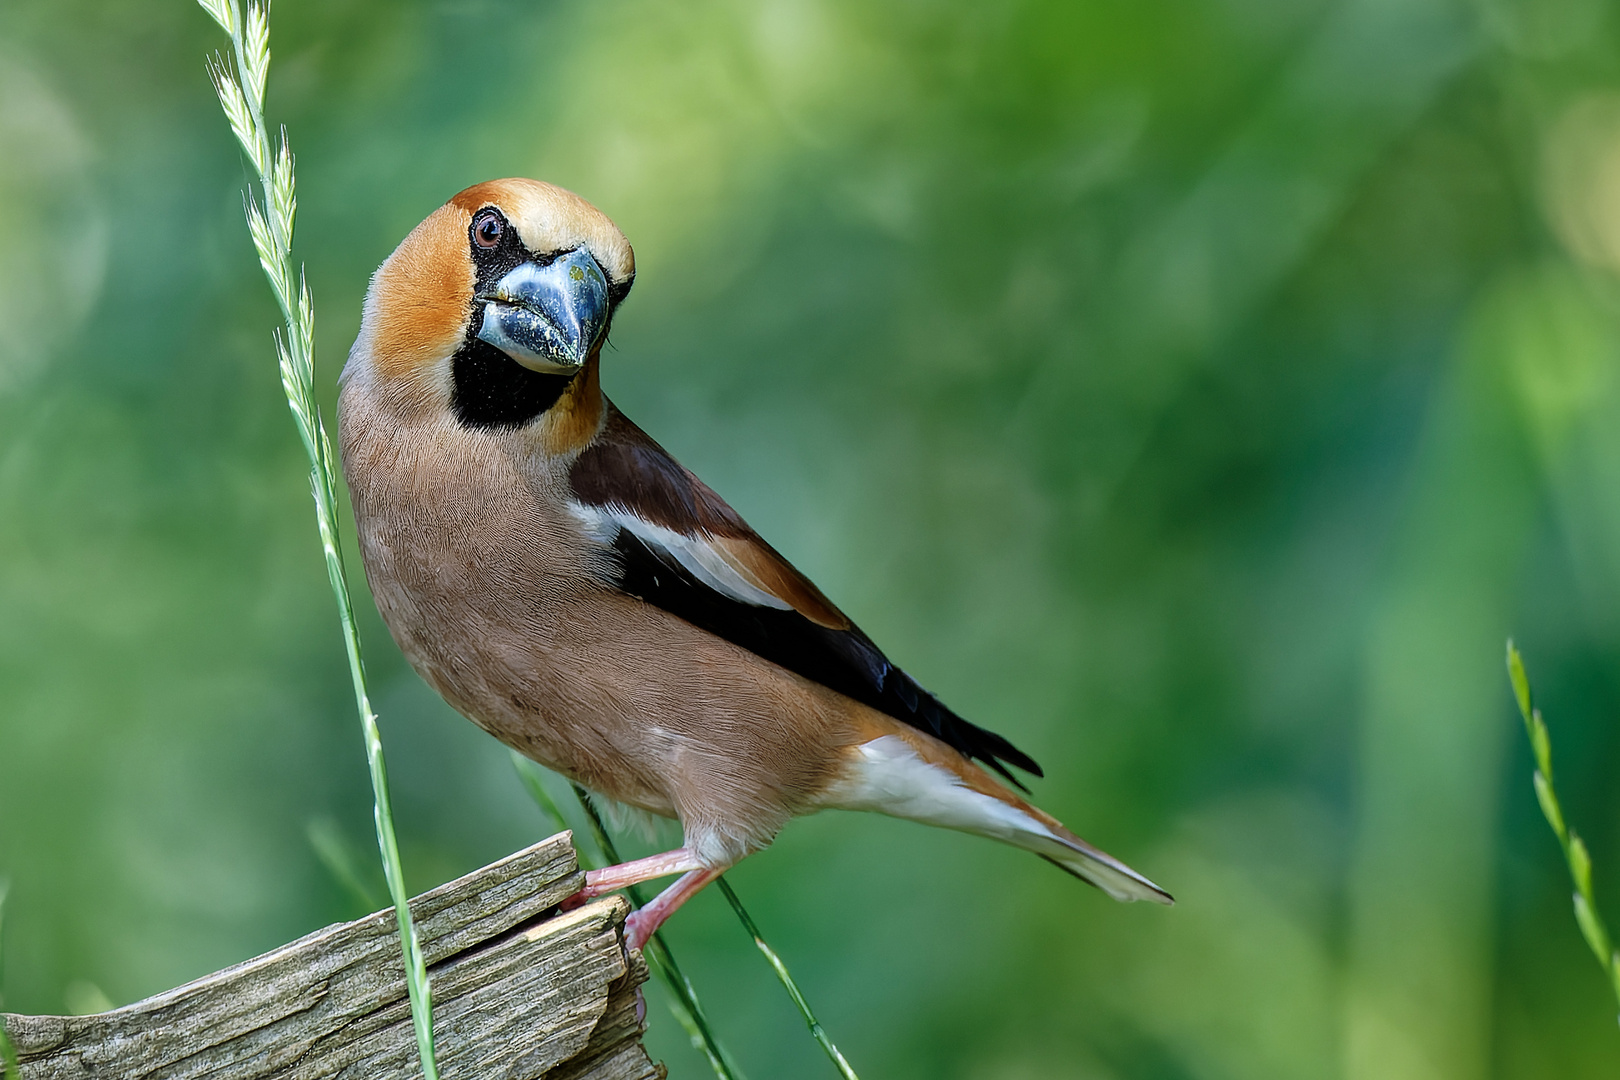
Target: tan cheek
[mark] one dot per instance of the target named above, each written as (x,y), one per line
(422,297)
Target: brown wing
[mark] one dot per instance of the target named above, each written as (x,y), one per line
(625,468)
(681,548)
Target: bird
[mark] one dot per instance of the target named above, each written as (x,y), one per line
(563,582)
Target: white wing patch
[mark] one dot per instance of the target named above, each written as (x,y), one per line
(694,554)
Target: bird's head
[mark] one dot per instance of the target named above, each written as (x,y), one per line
(494,304)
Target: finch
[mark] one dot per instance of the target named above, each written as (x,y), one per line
(568,586)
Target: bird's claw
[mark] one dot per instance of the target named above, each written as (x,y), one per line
(638,930)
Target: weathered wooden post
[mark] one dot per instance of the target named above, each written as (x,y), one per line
(520,991)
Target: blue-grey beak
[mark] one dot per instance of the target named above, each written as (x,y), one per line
(548,318)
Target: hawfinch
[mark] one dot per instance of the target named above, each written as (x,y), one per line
(573,590)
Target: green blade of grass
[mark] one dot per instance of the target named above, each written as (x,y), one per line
(528,775)
(1576,857)
(683,1004)
(695,1020)
(610,852)
(816,1030)
(270,223)
(332,848)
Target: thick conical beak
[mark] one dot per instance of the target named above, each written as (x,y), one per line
(548,318)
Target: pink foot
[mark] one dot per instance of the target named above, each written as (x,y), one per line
(637,932)
(609,878)
(643,924)
(640,926)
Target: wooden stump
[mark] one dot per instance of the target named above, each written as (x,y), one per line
(520,991)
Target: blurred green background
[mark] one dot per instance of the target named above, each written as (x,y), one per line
(1196,391)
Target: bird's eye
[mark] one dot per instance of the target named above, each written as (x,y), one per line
(488,228)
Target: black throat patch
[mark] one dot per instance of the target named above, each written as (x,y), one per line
(489,388)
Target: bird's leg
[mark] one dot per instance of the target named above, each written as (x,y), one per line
(642,924)
(634,872)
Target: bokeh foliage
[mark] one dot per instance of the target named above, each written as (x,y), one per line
(1198,392)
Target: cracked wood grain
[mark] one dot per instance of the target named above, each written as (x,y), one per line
(520,990)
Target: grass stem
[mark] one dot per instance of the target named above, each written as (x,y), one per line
(685,1006)
(688,1012)
(1575,854)
(684,1002)
(816,1030)
(270,222)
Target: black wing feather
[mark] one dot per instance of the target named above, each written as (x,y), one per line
(843,660)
